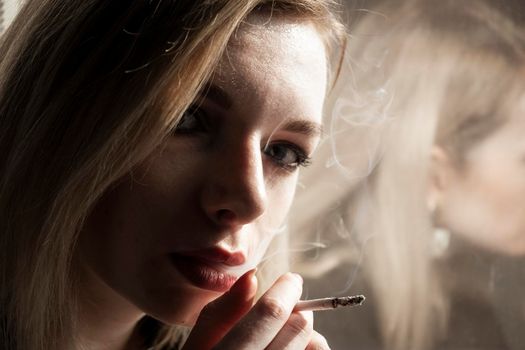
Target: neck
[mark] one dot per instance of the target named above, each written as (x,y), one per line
(107,321)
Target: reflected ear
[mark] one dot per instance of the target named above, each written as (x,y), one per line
(440,176)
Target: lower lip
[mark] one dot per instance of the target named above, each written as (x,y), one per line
(203,275)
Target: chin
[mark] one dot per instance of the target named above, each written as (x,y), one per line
(181,309)
(516,250)
(510,243)
(186,318)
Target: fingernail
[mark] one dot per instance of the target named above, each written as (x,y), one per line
(251,274)
(245,281)
(298,277)
(253,277)
(241,280)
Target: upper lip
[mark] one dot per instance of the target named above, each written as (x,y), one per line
(217,255)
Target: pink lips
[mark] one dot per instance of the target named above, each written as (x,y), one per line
(205,268)
(218,255)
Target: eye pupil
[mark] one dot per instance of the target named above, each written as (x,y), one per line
(190,122)
(283,154)
(287,156)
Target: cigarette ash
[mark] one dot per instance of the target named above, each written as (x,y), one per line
(348,301)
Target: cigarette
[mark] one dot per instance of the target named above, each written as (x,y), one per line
(329,303)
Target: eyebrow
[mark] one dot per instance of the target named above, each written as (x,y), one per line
(298,126)
(217,95)
(306,127)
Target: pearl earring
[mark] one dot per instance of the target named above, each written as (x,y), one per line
(440,240)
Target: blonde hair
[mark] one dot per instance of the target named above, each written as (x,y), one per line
(87,90)
(452,71)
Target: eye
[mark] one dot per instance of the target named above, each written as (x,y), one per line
(286,155)
(193,121)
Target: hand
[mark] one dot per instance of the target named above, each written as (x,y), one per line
(233,322)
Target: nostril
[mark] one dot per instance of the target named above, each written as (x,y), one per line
(225,216)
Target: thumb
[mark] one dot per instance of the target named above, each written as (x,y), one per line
(219,316)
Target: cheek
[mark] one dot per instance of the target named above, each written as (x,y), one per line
(272,224)
(489,211)
(280,197)
(502,195)
(116,232)
(134,220)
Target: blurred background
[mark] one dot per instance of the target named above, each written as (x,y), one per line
(416,195)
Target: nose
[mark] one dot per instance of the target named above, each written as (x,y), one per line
(235,190)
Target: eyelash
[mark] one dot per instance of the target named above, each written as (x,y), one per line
(301,159)
(200,118)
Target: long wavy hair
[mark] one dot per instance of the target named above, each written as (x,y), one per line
(88,89)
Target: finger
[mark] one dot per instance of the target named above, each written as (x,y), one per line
(318,342)
(296,332)
(219,316)
(264,321)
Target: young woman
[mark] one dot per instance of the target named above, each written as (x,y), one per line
(440,220)
(150,152)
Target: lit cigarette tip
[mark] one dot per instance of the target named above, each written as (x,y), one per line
(352,301)
(329,303)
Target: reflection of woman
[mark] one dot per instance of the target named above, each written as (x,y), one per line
(450,77)
(144,173)
(453,159)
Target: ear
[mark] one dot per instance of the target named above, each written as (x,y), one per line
(440,175)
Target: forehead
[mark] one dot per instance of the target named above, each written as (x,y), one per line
(279,38)
(279,56)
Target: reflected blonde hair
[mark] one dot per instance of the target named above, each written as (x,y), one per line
(88,89)
(453,70)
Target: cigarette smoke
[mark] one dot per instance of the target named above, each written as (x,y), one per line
(359,109)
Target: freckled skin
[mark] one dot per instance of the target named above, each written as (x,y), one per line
(171,201)
(485,202)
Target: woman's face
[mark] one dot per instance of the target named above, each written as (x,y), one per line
(202,209)
(485,201)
